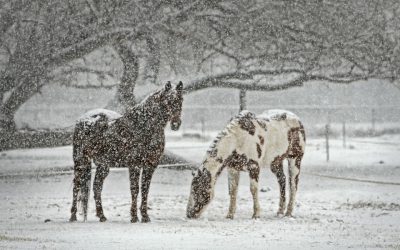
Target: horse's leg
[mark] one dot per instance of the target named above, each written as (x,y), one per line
(134,173)
(77,178)
(254,172)
(294,171)
(79,170)
(147,174)
(277,169)
(101,174)
(233,182)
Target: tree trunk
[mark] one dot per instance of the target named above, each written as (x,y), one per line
(125,91)
(7,124)
(242,100)
(27,84)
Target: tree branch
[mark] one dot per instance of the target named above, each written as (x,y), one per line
(203,43)
(91,86)
(254,85)
(79,69)
(88,45)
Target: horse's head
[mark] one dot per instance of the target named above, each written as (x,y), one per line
(172,101)
(200,193)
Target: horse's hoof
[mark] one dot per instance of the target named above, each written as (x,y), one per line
(229,216)
(134,220)
(256,216)
(73,218)
(288,215)
(102,218)
(145,219)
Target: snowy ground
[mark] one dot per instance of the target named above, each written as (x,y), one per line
(331,213)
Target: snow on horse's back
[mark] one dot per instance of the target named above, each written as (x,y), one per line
(92,116)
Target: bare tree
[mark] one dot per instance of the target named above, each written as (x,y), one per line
(248,45)
(39,37)
(301,41)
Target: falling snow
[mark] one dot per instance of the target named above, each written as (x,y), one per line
(91,97)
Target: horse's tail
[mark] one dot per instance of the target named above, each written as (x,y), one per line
(302,131)
(82,168)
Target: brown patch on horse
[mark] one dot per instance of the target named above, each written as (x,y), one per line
(246,124)
(277,169)
(236,161)
(294,149)
(277,162)
(297,164)
(219,159)
(254,170)
(261,138)
(262,123)
(279,117)
(239,162)
(259,150)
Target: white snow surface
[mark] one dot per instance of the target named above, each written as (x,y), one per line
(330,213)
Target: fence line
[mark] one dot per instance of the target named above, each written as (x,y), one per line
(185,166)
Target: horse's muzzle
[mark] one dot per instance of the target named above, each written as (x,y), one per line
(190,214)
(175,125)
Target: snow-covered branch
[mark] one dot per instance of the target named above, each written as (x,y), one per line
(247,80)
(88,45)
(80,69)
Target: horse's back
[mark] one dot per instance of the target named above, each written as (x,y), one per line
(92,116)
(90,129)
(279,115)
(282,120)
(285,134)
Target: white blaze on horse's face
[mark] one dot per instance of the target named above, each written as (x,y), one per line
(200,193)
(174,100)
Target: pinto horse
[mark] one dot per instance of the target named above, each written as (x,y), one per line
(135,140)
(247,143)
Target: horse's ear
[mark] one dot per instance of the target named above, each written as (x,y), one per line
(179,87)
(168,86)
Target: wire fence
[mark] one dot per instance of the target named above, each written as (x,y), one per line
(357,121)
(179,166)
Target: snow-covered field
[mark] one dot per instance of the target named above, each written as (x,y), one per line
(331,212)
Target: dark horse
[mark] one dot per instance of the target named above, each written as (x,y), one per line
(135,140)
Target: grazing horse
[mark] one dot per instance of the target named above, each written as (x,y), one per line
(247,143)
(135,140)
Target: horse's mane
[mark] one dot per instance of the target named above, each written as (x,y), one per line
(143,106)
(245,114)
(148,100)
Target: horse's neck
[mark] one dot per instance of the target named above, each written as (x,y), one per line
(149,115)
(217,154)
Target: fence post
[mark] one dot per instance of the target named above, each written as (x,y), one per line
(344,133)
(327,141)
(373,120)
(242,100)
(203,127)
